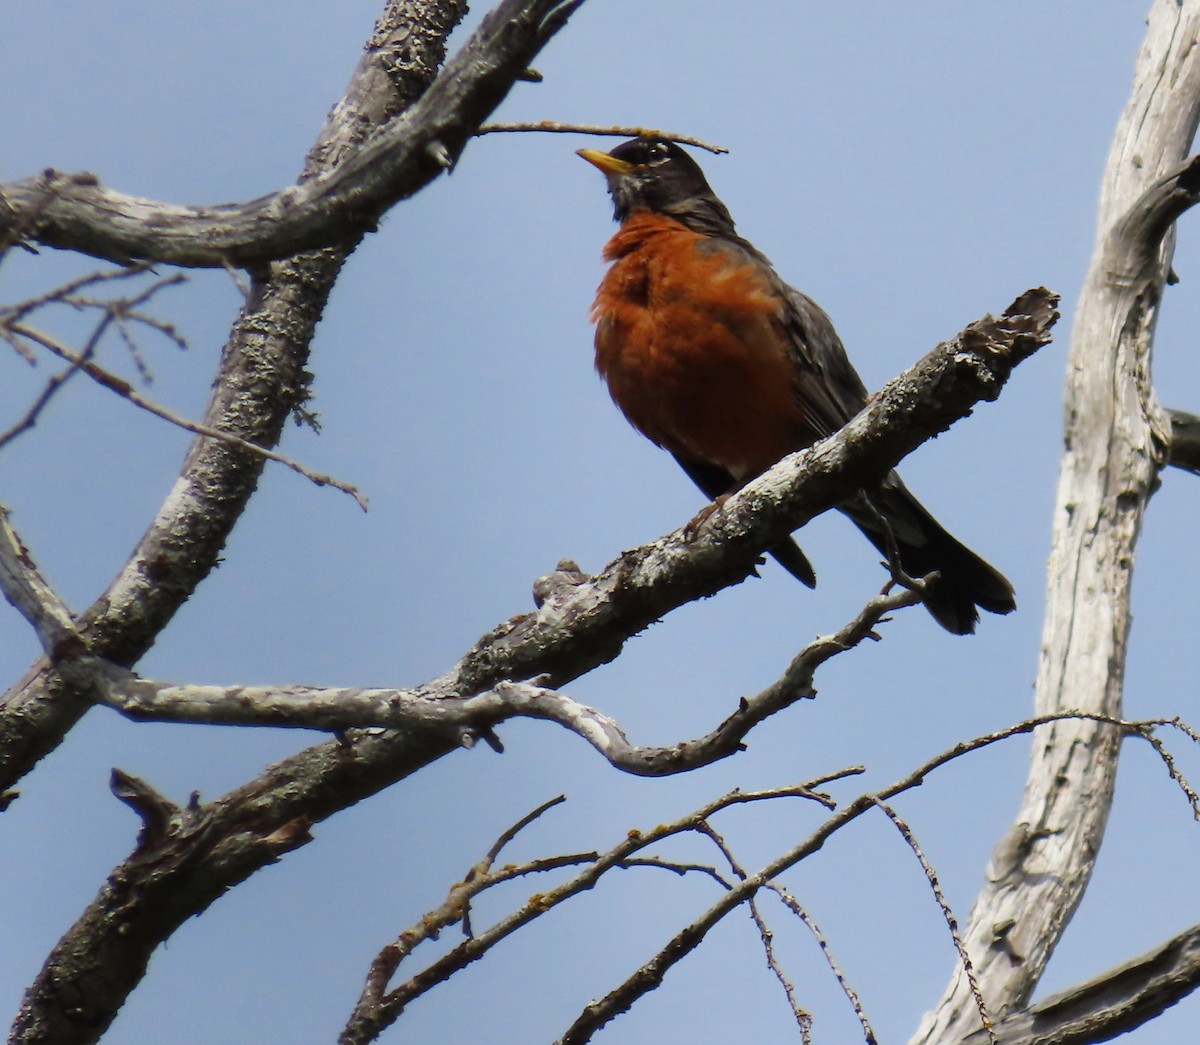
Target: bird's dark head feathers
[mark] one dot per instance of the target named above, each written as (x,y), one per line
(656,175)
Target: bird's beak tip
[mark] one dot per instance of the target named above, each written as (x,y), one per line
(602,160)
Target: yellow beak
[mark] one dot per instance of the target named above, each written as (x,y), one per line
(606,163)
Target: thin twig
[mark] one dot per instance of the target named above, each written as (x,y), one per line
(1169,761)
(555,127)
(651,973)
(801,912)
(14,313)
(519,826)
(56,382)
(1182,726)
(167,330)
(125,312)
(378,1007)
(676,867)
(919,585)
(484,866)
(26,354)
(120,312)
(239,281)
(123,388)
(30,418)
(802,1016)
(951,922)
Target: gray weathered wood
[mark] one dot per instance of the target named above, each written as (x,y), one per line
(89,974)
(336,203)
(1116,1001)
(1116,438)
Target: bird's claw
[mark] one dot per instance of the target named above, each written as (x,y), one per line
(692,530)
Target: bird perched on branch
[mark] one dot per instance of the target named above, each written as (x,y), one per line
(713,357)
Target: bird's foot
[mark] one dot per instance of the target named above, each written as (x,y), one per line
(692,529)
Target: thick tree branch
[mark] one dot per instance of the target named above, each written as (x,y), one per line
(585,626)
(1113,1003)
(102,957)
(262,378)
(425,709)
(332,206)
(1116,439)
(642,585)
(1184,451)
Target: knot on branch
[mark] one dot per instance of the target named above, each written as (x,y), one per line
(559,585)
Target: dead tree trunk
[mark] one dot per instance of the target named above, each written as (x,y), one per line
(1116,441)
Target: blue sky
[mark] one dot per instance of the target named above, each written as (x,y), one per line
(909,166)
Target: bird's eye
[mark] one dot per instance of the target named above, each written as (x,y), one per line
(657,155)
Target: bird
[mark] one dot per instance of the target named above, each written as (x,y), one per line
(711,356)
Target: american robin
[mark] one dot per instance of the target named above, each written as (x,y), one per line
(710,355)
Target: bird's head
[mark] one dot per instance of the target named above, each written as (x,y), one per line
(656,175)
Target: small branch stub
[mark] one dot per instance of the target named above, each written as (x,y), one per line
(155,811)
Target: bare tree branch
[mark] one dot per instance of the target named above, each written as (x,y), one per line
(331,206)
(25,587)
(429,708)
(951,921)
(1116,439)
(801,1015)
(51,388)
(1115,1002)
(648,976)
(555,127)
(570,634)
(68,292)
(187,856)
(378,1007)
(583,625)
(115,311)
(125,390)
(79,361)
(262,378)
(794,905)
(601,613)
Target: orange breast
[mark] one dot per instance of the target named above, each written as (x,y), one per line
(690,343)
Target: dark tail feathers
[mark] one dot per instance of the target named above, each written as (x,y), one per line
(788,554)
(965,580)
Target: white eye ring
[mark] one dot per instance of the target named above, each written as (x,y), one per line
(659,154)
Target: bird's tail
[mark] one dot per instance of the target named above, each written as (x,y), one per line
(965,581)
(788,554)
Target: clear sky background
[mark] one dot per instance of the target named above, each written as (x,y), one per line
(911,167)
